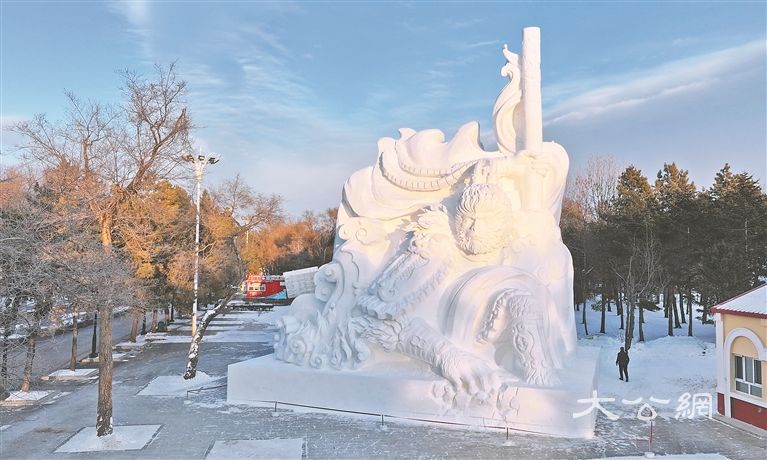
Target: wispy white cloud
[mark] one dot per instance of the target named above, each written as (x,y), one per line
(467,46)
(138,15)
(462,24)
(263,113)
(6,121)
(135,11)
(412,26)
(579,100)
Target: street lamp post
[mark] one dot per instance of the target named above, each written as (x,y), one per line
(199,161)
(94,353)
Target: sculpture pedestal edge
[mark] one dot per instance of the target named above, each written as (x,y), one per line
(404,390)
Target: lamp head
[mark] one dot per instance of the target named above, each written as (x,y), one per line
(213,160)
(189,158)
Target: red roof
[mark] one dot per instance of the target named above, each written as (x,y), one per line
(751,303)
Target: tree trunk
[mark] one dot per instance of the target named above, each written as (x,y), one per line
(585,326)
(27,378)
(681,308)
(134,324)
(4,365)
(104,406)
(194,348)
(689,312)
(629,325)
(619,304)
(675,310)
(665,302)
(104,411)
(604,312)
(11,311)
(75,332)
(154,320)
(105,222)
(670,317)
(641,320)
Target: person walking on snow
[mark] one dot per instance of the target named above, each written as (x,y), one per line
(622,361)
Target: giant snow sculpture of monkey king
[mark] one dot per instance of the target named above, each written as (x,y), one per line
(449,255)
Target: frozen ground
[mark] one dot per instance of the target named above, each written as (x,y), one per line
(662,368)
(257,449)
(205,423)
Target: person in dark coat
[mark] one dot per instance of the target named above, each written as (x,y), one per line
(622,361)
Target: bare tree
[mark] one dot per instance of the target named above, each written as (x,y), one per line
(594,186)
(115,152)
(249,210)
(194,348)
(639,274)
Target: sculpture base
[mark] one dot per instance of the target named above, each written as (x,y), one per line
(404,390)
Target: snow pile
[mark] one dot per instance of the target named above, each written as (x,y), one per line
(175,385)
(127,437)
(67,374)
(268,318)
(225,337)
(674,457)
(139,343)
(261,449)
(25,397)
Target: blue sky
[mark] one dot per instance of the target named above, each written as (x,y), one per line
(294,96)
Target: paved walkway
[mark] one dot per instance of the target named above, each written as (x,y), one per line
(53,353)
(189,427)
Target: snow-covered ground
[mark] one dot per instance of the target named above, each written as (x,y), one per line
(127,437)
(662,367)
(175,385)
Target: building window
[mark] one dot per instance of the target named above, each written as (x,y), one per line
(748,375)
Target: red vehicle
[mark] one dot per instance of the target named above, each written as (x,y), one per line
(262,286)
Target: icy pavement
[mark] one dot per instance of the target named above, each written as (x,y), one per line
(257,449)
(202,424)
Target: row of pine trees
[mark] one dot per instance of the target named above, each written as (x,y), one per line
(639,244)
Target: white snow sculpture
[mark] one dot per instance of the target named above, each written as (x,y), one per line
(449,258)
(300,281)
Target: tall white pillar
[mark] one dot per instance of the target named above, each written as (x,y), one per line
(531,88)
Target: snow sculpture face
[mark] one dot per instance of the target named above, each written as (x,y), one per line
(482,219)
